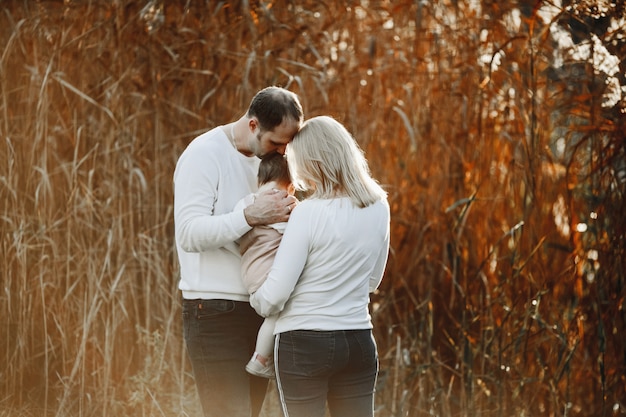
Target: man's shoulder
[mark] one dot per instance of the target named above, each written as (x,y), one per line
(208,139)
(209,146)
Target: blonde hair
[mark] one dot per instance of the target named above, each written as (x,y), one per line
(324,158)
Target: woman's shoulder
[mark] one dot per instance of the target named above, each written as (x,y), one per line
(309,207)
(316,203)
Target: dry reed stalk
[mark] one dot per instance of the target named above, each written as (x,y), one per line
(97,101)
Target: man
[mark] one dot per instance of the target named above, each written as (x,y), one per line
(217,169)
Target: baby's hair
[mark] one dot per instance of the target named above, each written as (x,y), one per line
(273,167)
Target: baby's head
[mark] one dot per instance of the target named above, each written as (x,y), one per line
(274,168)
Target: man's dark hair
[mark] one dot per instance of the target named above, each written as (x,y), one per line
(272,105)
(273,167)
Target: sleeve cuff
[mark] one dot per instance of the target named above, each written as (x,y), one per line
(239,222)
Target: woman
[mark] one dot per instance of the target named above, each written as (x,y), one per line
(332,255)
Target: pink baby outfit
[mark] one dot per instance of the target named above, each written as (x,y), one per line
(258,248)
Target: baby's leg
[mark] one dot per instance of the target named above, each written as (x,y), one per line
(261,363)
(265,337)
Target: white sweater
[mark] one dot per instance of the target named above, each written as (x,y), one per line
(211,176)
(332,255)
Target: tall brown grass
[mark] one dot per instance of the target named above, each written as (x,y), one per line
(494,303)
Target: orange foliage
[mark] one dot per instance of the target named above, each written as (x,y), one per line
(494,302)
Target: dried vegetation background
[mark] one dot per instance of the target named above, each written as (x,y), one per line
(501,144)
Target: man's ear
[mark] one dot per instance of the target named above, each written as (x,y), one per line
(253,124)
(291,189)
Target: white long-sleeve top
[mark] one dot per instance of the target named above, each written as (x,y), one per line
(332,255)
(211,176)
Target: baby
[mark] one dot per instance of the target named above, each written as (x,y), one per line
(258,248)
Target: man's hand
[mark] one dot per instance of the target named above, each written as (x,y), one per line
(273,206)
